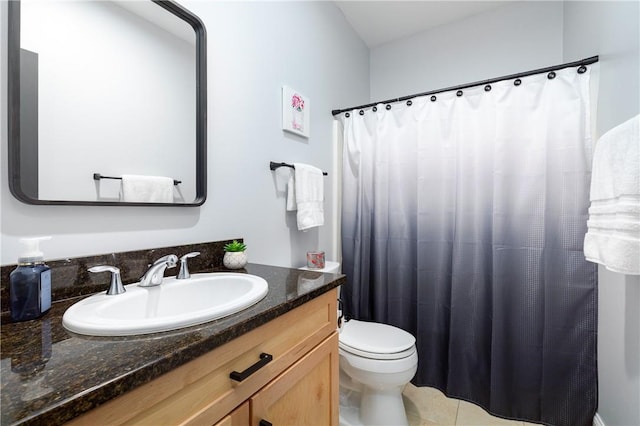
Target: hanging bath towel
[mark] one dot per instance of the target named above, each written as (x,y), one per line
(309,196)
(613,236)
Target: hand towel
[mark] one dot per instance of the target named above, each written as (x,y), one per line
(291,193)
(613,228)
(147,189)
(309,196)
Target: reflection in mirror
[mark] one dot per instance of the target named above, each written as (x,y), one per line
(107,89)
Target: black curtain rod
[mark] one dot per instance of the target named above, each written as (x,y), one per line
(586,61)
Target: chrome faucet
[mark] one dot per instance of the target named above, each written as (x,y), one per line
(155,274)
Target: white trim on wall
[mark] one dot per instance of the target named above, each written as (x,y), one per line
(337,190)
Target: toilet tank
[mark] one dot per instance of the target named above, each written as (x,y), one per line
(330,267)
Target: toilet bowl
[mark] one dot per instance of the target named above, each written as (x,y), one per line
(376,363)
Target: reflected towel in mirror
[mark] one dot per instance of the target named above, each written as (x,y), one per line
(147,189)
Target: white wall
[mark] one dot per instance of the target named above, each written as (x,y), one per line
(611,29)
(253,49)
(512,38)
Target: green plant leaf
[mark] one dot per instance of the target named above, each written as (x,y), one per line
(235,246)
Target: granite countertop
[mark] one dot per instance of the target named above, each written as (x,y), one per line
(50,375)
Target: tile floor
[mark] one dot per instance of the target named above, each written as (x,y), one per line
(429,407)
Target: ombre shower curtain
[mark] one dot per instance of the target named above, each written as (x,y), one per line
(463,218)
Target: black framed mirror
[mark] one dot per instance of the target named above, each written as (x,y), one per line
(101,90)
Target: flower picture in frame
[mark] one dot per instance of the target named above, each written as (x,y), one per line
(295,112)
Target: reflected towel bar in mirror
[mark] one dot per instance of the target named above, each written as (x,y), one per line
(273,165)
(98,176)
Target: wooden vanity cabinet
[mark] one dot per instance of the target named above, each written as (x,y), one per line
(302,395)
(298,386)
(238,417)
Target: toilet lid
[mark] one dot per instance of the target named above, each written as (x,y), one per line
(375,338)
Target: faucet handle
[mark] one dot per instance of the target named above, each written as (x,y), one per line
(115,287)
(189,255)
(183,274)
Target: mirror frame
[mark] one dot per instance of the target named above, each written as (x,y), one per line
(13,97)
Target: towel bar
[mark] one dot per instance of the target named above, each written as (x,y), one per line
(274,165)
(98,176)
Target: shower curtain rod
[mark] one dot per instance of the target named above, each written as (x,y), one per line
(586,61)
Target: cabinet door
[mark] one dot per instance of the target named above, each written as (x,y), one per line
(238,417)
(305,394)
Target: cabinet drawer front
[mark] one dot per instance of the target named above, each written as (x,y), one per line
(305,394)
(201,391)
(239,417)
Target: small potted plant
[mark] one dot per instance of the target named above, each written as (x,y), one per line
(235,256)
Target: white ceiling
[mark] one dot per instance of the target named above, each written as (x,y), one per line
(379,22)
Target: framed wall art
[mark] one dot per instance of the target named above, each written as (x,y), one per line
(295,112)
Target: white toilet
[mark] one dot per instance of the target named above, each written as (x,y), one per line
(376,362)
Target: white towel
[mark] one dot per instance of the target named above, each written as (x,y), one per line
(613,235)
(291,193)
(309,196)
(616,162)
(147,189)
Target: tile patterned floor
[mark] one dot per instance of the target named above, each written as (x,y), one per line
(429,407)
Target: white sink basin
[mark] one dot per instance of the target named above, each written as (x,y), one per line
(171,305)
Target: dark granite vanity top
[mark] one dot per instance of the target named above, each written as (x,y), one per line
(50,375)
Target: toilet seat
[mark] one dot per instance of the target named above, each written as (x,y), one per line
(373,355)
(376,341)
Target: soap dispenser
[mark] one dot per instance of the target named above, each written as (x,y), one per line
(30,283)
